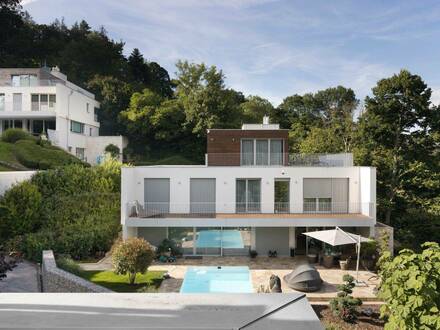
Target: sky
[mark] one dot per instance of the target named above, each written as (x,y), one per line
(272,48)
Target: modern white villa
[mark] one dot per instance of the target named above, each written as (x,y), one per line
(43,101)
(249,195)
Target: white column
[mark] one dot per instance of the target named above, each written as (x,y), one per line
(292,238)
(253,238)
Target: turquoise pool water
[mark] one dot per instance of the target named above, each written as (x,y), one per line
(213,239)
(217,280)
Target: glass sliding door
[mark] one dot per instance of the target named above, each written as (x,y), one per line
(282,196)
(247,152)
(202,196)
(208,241)
(262,152)
(248,195)
(276,152)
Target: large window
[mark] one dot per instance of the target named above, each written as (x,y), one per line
(77,127)
(2,102)
(24,80)
(281,204)
(261,152)
(43,102)
(248,195)
(325,195)
(202,196)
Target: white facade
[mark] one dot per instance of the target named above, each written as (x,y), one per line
(53,105)
(359,214)
(10,178)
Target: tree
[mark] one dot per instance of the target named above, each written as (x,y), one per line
(325,113)
(394,134)
(114,95)
(206,101)
(113,150)
(132,256)
(410,288)
(255,108)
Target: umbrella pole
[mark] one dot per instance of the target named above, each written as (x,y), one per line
(358,257)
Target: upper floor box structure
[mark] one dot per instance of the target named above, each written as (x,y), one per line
(43,101)
(250,194)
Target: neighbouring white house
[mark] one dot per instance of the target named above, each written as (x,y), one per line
(250,194)
(43,101)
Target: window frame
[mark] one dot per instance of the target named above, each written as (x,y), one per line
(81,125)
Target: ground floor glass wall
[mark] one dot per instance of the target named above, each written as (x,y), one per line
(213,241)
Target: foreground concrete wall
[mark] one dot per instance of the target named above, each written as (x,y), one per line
(8,179)
(55,279)
(272,238)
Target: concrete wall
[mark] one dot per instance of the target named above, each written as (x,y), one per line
(272,238)
(153,235)
(8,179)
(57,280)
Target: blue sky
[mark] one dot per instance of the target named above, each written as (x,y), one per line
(272,48)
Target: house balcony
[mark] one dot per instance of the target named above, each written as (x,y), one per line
(249,214)
(279,159)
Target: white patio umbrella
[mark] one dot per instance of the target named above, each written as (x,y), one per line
(336,237)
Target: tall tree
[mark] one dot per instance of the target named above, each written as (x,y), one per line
(395,135)
(255,107)
(206,100)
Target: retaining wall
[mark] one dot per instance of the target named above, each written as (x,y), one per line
(55,279)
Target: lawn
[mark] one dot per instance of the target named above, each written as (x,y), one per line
(144,282)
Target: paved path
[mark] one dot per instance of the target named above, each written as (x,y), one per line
(22,278)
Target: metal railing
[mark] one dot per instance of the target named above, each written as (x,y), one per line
(279,159)
(212,210)
(36,83)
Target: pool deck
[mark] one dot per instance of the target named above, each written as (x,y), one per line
(261,269)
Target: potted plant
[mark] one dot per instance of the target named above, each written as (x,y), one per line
(328,258)
(253,254)
(344,263)
(313,252)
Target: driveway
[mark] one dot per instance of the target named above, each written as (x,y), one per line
(23,278)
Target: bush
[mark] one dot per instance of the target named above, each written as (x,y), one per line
(32,155)
(69,265)
(168,245)
(72,210)
(410,288)
(344,305)
(20,210)
(13,135)
(132,256)
(112,150)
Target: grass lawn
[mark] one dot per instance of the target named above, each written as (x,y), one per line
(144,282)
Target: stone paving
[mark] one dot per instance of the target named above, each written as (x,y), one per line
(261,269)
(23,278)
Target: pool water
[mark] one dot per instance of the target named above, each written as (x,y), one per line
(217,280)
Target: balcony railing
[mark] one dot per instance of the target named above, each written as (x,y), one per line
(279,159)
(37,83)
(214,210)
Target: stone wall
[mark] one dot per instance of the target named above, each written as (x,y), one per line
(55,279)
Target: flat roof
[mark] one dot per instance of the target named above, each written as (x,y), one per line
(158,311)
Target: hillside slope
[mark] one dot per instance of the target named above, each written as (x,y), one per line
(28,154)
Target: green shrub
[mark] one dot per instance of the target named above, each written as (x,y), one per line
(20,210)
(112,150)
(69,265)
(35,243)
(13,135)
(168,245)
(32,155)
(410,288)
(132,256)
(344,305)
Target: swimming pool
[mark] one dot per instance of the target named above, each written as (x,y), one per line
(217,280)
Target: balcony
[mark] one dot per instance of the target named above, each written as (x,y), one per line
(279,159)
(247,210)
(36,83)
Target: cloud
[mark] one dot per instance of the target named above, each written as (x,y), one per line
(273,48)
(27,2)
